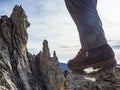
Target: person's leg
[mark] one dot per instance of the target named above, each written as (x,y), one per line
(89,25)
(95,51)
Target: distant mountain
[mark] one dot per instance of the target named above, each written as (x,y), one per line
(64,66)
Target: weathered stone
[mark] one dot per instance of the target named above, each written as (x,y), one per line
(50,69)
(20,70)
(108,79)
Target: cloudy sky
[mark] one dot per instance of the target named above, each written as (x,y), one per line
(50,20)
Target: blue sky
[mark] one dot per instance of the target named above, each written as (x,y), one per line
(50,20)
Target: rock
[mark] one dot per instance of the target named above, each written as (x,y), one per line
(20,70)
(6,82)
(50,69)
(18,49)
(99,80)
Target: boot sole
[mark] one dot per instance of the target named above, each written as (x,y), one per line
(110,63)
(105,64)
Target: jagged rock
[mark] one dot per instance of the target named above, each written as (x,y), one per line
(14,62)
(50,69)
(108,79)
(36,82)
(5,61)
(20,70)
(18,48)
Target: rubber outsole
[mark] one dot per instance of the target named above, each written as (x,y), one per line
(104,64)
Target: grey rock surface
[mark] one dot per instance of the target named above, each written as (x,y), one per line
(20,70)
(51,72)
(99,80)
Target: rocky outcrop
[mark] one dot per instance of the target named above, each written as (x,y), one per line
(108,79)
(20,70)
(50,69)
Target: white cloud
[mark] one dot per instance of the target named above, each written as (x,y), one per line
(50,20)
(109,10)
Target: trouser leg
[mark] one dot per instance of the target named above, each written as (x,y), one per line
(85,16)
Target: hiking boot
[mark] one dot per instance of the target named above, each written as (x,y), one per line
(101,57)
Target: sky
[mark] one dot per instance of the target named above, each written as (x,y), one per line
(50,20)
